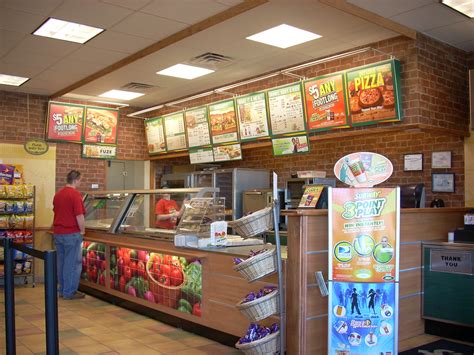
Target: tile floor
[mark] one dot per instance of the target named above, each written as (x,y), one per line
(92,326)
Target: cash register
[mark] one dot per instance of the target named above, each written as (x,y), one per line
(466,234)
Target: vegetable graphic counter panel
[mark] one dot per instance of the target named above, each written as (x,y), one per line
(169,280)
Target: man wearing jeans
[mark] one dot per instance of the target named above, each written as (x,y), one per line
(68,227)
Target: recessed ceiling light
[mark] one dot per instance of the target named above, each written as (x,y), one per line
(12,80)
(466,7)
(185,71)
(121,95)
(67,31)
(284,36)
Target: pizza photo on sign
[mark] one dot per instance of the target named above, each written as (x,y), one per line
(101,125)
(372,94)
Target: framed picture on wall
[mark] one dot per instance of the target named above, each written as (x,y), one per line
(413,162)
(441,160)
(443,182)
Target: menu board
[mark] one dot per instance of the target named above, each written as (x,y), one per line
(311,196)
(227,152)
(101,125)
(363,235)
(285,106)
(174,131)
(197,127)
(290,145)
(374,93)
(325,102)
(155,135)
(65,122)
(99,151)
(253,122)
(201,155)
(223,122)
(363,318)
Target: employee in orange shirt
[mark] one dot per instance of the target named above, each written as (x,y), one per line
(167,212)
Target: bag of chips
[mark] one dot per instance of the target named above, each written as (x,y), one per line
(6,174)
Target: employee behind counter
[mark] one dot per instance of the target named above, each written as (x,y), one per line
(168,212)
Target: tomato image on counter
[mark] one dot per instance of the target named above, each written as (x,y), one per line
(94,265)
(167,280)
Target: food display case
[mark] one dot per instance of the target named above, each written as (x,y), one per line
(133,212)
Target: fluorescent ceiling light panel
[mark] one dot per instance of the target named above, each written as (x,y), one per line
(185,71)
(67,31)
(121,95)
(12,80)
(465,7)
(284,36)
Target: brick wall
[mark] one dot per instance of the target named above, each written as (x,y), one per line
(23,117)
(434,81)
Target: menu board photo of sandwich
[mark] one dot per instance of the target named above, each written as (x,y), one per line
(227,152)
(175,132)
(155,135)
(373,93)
(65,122)
(223,122)
(101,125)
(252,111)
(285,105)
(325,102)
(197,127)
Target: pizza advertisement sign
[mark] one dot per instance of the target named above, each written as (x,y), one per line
(325,102)
(373,93)
(101,125)
(65,122)
(364,234)
(223,122)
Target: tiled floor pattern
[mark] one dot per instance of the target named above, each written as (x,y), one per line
(92,326)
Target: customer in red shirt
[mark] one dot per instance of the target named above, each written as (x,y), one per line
(68,228)
(167,212)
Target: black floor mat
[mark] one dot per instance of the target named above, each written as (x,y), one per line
(437,347)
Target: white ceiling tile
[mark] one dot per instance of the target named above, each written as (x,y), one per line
(120,42)
(148,26)
(91,12)
(20,69)
(428,17)
(8,40)
(134,5)
(18,21)
(25,57)
(368,34)
(229,2)
(46,46)
(389,8)
(68,67)
(467,46)
(96,55)
(187,11)
(455,33)
(39,7)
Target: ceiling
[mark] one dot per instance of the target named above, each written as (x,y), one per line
(132,25)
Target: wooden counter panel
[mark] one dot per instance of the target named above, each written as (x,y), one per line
(316,262)
(410,323)
(410,282)
(316,305)
(410,256)
(316,336)
(317,232)
(230,290)
(433,226)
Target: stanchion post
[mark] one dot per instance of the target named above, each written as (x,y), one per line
(9,297)
(51,302)
(281,290)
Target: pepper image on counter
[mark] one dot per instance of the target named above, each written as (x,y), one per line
(169,280)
